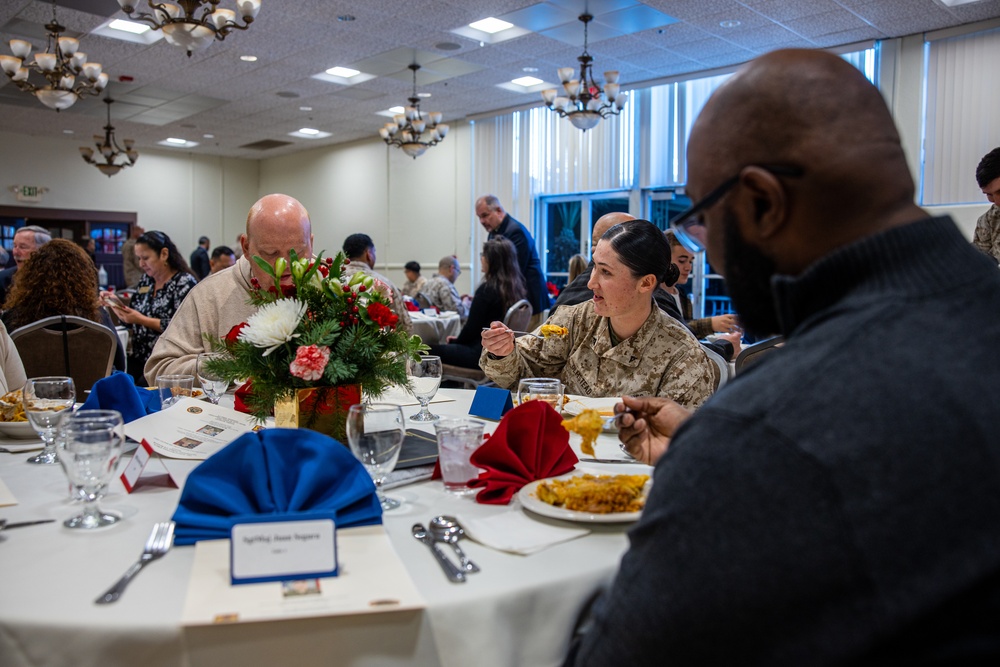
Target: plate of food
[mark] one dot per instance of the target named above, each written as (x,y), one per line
(588,497)
(13,422)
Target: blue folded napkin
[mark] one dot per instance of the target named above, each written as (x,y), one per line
(275,471)
(118,392)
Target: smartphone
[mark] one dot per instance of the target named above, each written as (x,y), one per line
(113,301)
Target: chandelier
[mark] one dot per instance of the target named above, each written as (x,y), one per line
(583,104)
(409,127)
(60,65)
(109,149)
(188,31)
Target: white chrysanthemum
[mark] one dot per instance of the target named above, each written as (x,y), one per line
(273,324)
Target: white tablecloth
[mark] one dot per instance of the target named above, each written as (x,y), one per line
(518,611)
(436,328)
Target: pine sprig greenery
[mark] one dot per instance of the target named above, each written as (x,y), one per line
(324,330)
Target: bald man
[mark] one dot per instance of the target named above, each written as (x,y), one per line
(838,503)
(275,224)
(577,291)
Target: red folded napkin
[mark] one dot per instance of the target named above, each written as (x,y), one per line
(529,444)
(242,392)
(412,307)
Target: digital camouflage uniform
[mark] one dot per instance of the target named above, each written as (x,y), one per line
(442,293)
(661,359)
(987,237)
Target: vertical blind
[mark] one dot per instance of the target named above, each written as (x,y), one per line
(961,102)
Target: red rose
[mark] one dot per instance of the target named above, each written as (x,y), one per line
(382,315)
(288,290)
(233,334)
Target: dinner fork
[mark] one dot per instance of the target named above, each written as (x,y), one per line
(159,543)
(518,334)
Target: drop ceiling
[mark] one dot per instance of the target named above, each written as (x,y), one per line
(248,109)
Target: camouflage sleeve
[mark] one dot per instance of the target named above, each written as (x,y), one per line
(983,236)
(532,357)
(689,378)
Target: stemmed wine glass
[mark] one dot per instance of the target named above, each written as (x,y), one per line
(213,384)
(46,401)
(89,452)
(424,380)
(375,432)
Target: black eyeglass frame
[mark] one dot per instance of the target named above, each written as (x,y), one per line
(682,223)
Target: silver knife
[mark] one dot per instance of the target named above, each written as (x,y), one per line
(7,526)
(632,461)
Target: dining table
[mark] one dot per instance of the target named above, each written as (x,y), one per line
(518,610)
(434,328)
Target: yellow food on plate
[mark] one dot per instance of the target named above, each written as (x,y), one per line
(553,331)
(11,407)
(589,425)
(596,494)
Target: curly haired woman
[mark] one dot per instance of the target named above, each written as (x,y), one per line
(57,279)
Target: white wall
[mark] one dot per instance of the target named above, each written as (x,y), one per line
(184,195)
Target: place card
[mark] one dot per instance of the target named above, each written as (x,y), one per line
(132,475)
(282,547)
(491,403)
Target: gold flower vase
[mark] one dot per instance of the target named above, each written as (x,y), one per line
(321,409)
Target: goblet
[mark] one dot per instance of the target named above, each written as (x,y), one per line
(213,384)
(375,432)
(89,452)
(541,389)
(46,401)
(111,418)
(425,378)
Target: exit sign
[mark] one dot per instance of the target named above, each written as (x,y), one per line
(29,193)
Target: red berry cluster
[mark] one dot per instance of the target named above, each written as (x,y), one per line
(350,314)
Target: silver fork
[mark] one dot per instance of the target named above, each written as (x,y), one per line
(159,543)
(518,334)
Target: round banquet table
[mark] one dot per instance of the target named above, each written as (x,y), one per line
(434,329)
(520,610)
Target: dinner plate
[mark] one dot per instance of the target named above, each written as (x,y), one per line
(574,405)
(21,430)
(528,495)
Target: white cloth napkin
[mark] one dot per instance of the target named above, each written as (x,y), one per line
(6,497)
(517,533)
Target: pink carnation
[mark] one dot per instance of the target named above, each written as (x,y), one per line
(310,360)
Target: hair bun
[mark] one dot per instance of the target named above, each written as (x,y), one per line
(671,276)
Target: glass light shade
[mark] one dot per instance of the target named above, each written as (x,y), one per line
(126,5)
(621,100)
(46,61)
(92,70)
(102,81)
(572,87)
(549,94)
(434,117)
(412,113)
(611,76)
(168,11)
(566,73)
(109,170)
(611,91)
(248,9)
(399,119)
(419,126)
(132,154)
(107,150)
(66,83)
(391,128)
(98,139)
(68,45)
(435,135)
(10,64)
(20,48)
(223,17)
(129,143)
(561,103)
(384,133)
(87,153)
(22,75)
(594,104)
(56,99)
(78,60)
(585,120)
(414,149)
(406,136)
(189,37)
(442,130)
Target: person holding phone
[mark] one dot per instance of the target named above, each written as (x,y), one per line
(166,282)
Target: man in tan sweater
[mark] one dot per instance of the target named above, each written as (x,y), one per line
(276,223)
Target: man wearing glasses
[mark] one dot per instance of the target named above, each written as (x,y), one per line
(838,503)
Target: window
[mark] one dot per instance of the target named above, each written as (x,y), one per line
(568,222)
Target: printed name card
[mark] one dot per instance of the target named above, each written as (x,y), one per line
(132,475)
(282,547)
(491,403)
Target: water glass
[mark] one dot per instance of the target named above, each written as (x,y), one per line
(46,401)
(541,389)
(111,418)
(89,453)
(375,432)
(213,384)
(457,439)
(173,388)
(424,379)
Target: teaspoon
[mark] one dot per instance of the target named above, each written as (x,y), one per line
(447,529)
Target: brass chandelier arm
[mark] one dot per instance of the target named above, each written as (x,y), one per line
(182,26)
(412,131)
(108,148)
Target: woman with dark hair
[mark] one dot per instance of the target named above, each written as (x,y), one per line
(618,343)
(57,279)
(501,288)
(166,282)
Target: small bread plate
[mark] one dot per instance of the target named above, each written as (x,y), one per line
(528,495)
(20,430)
(574,405)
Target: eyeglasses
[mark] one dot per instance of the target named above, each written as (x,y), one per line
(688,224)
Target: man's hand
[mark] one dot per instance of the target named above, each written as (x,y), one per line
(725,323)
(498,339)
(734,338)
(645,425)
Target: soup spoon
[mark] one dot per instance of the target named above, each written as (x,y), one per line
(447,529)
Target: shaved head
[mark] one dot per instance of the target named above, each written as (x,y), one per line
(814,112)
(276,224)
(606,222)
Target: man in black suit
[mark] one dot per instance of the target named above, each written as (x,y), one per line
(499,223)
(201,264)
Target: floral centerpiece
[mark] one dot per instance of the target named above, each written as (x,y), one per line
(315,345)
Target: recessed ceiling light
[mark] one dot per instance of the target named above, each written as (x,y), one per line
(310,133)
(208,136)
(732,23)
(308,130)
(423,94)
(128,26)
(174,142)
(527,81)
(345,72)
(491,25)
(67,131)
(305,108)
(248,59)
